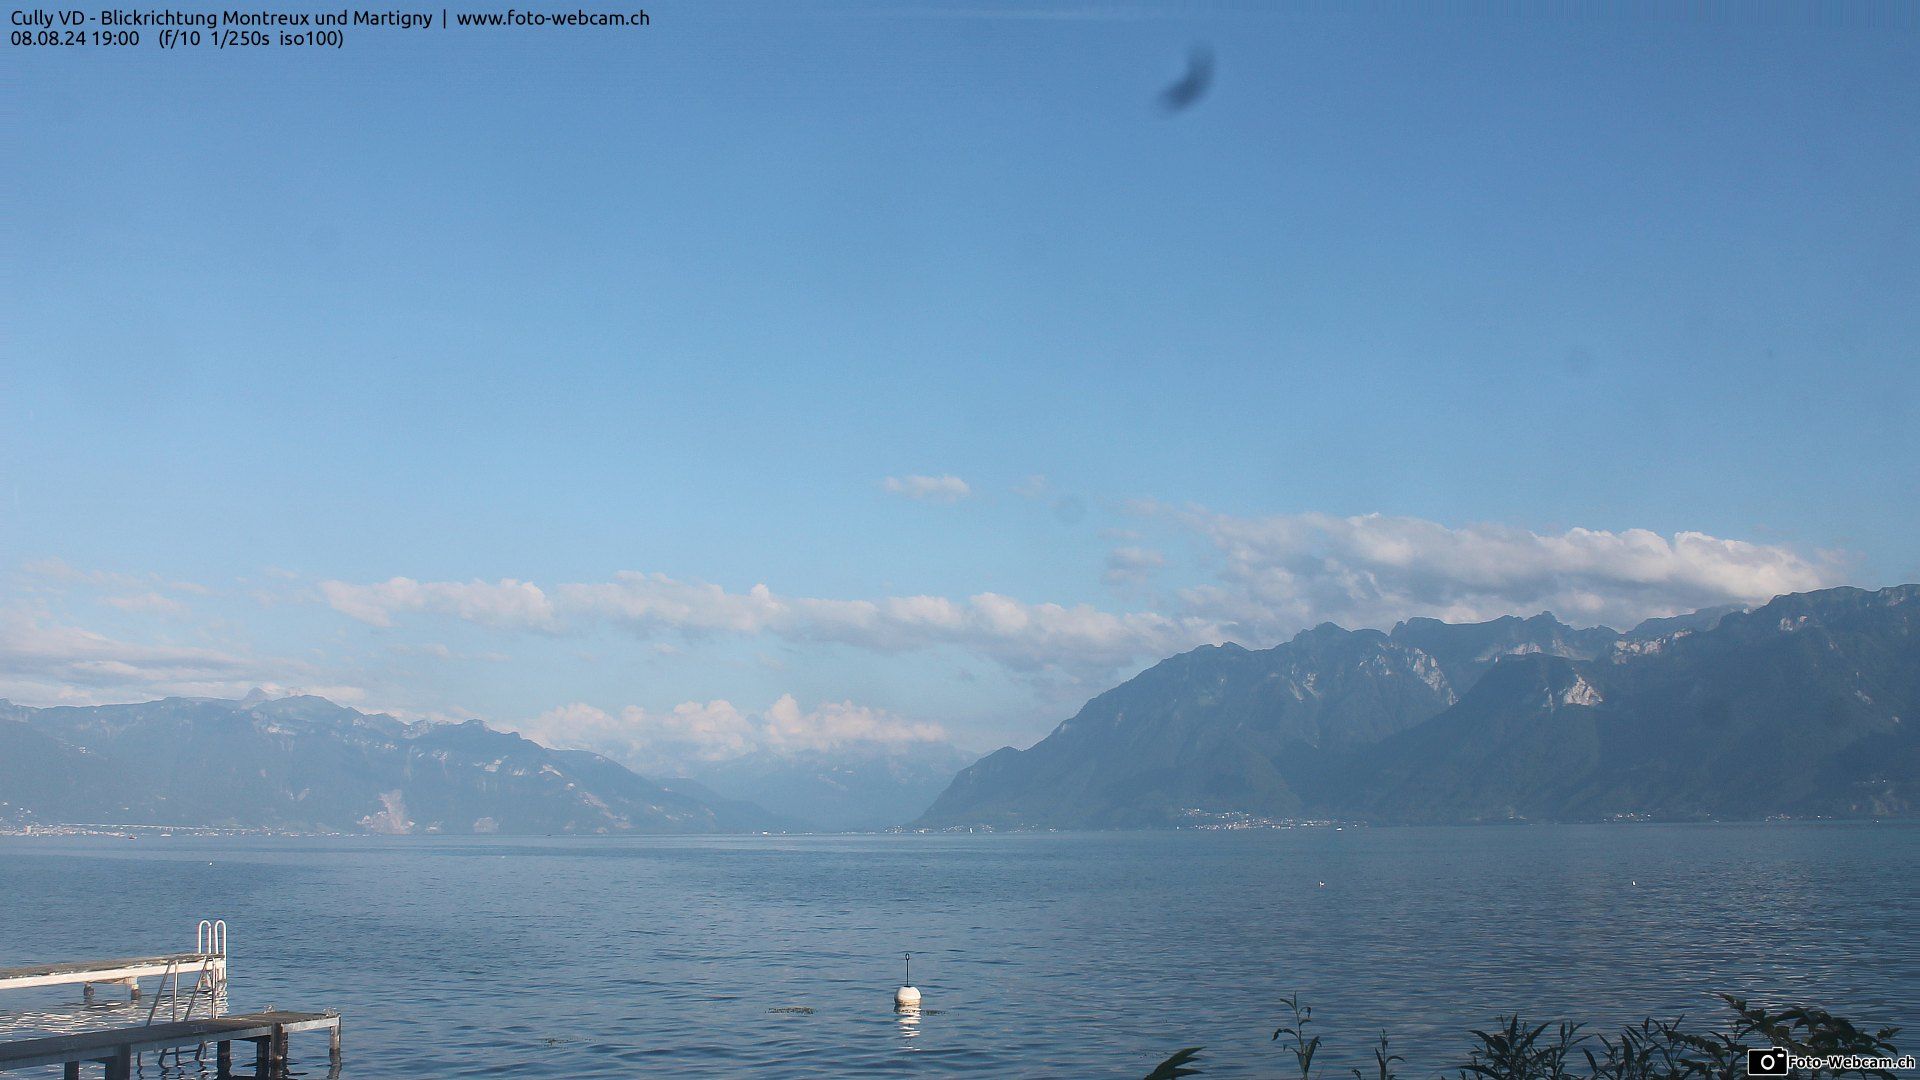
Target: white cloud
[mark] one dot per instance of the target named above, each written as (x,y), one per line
(142,591)
(1265,578)
(45,662)
(1274,575)
(1131,565)
(503,603)
(694,732)
(439,651)
(54,568)
(1021,635)
(33,646)
(832,725)
(1268,578)
(149,601)
(1080,639)
(1283,572)
(943,489)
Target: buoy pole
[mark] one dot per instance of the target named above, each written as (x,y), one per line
(908,996)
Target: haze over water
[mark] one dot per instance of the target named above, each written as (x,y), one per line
(1056,955)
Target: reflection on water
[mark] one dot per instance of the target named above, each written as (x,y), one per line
(64,1010)
(37,1013)
(58,1010)
(909,1016)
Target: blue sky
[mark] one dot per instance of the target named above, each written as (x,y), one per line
(1436,311)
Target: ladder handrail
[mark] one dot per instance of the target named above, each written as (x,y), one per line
(210,937)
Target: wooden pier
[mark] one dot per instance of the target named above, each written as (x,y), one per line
(117,1048)
(207,963)
(126,972)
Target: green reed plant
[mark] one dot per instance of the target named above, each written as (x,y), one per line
(1383,1062)
(1649,1050)
(1176,1066)
(1301,1047)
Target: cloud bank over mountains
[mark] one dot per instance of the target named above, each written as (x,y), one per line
(694,733)
(1281,573)
(1179,577)
(44,661)
(1270,577)
(1023,636)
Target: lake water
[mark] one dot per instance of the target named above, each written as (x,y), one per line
(1091,955)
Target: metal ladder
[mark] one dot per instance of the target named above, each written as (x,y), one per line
(210,942)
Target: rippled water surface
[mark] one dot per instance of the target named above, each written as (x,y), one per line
(1039,955)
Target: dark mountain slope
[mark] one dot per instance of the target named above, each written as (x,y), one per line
(1757,715)
(1801,707)
(1498,754)
(1218,728)
(1804,706)
(1465,651)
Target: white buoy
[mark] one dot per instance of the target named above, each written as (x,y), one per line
(907,996)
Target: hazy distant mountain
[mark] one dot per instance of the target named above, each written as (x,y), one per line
(1805,706)
(56,779)
(306,763)
(849,788)
(1704,619)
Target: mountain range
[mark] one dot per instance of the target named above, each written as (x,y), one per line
(1801,707)
(307,764)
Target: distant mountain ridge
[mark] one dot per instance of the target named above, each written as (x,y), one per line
(1803,706)
(847,788)
(307,764)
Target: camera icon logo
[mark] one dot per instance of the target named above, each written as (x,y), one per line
(1771,1061)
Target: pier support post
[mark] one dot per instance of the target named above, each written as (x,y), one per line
(120,1065)
(71,1071)
(260,1060)
(86,992)
(333,1044)
(133,989)
(223,1059)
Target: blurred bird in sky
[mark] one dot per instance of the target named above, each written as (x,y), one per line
(1193,85)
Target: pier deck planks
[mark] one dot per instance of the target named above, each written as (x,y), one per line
(124,1042)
